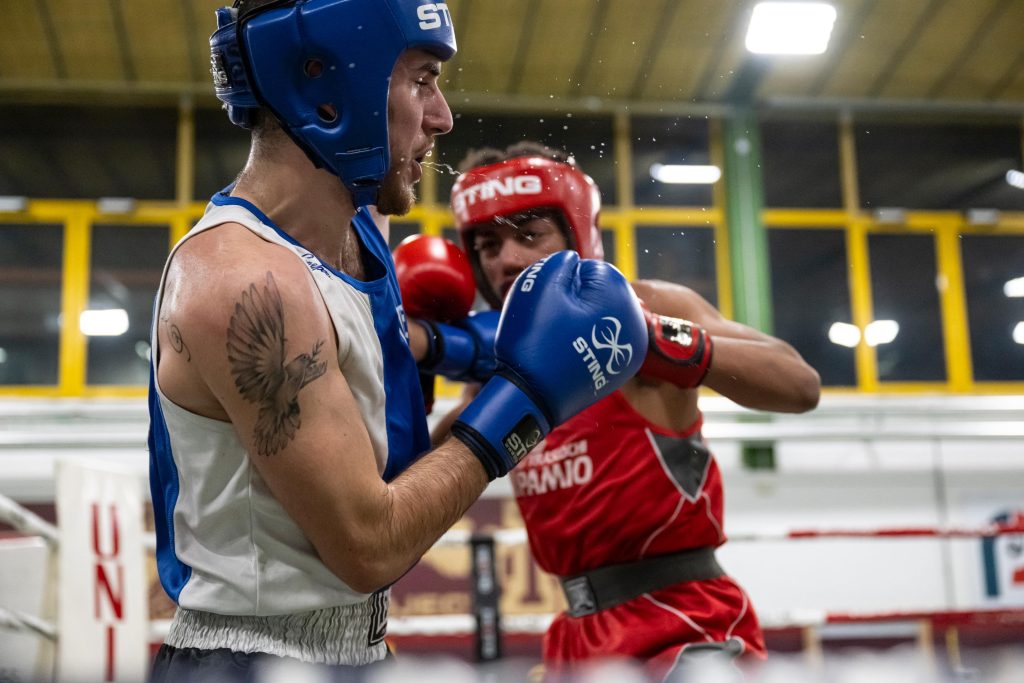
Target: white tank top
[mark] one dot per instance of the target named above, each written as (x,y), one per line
(224,543)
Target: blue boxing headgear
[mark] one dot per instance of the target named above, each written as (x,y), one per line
(323,67)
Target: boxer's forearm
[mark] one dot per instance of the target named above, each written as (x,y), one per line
(416,509)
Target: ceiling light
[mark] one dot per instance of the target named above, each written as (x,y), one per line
(1014,289)
(844,334)
(790,28)
(881,332)
(982,216)
(109,322)
(1015,178)
(685,174)
(890,215)
(8,203)
(115,205)
(1018,332)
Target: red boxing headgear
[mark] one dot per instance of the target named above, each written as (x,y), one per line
(523,183)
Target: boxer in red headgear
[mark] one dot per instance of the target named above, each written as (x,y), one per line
(623,502)
(525,187)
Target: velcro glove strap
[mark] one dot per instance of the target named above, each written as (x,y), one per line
(501,425)
(679,351)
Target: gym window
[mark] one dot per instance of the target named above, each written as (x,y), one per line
(31,259)
(684,254)
(810,294)
(126,265)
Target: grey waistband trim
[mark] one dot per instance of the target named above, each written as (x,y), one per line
(350,634)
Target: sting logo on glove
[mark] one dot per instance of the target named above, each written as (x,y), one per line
(619,358)
(621,354)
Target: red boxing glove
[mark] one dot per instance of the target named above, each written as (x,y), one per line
(435,278)
(679,351)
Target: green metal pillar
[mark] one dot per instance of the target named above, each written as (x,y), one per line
(748,242)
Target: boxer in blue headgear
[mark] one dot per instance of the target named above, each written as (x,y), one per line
(322,70)
(289,465)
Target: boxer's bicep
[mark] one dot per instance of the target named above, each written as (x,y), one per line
(272,364)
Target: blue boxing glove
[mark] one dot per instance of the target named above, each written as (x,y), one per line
(571,332)
(464,351)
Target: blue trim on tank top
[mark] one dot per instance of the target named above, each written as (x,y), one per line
(224,199)
(164,487)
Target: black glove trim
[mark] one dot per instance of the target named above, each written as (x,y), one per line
(435,345)
(481,448)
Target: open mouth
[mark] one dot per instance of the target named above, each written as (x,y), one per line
(417,167)
(423,155)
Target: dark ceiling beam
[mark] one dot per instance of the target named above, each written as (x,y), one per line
(847,31)
(900,53)
(986,26)
(896,107)
(1006,80)
(666,17)
(142,93)
(60,67)
(515,76)
(32,90)
(739,21)
(121,37)
(586,60)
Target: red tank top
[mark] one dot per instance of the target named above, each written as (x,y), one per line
(608,486)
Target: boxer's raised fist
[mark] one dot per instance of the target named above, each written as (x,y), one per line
(571,332)
(435,278)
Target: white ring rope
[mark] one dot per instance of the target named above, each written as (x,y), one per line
(517,536)
(16,621)
(29,523)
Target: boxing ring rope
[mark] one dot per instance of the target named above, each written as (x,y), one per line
(988,531)
(16,621)
(517,536)
(30,524)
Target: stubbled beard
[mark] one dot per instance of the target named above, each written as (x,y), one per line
(395,198)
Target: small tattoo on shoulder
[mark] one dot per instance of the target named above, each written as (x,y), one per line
(256,353)
(177,343)
(174,336)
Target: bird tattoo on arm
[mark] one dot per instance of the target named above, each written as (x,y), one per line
(256,352)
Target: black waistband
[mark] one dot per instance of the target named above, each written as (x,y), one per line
(615,584)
